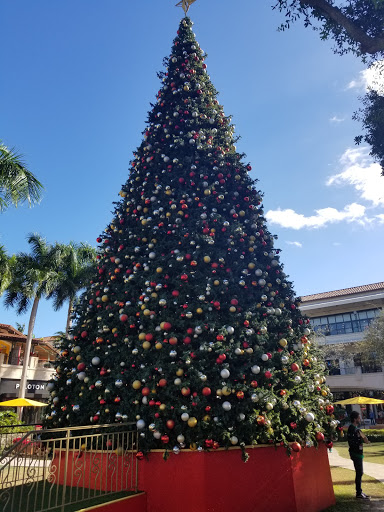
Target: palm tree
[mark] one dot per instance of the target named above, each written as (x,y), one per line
(17,183)
(6,266)
(34,276)
(77,266)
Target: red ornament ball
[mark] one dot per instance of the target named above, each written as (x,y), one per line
(139,455)
(294,367)
(170,424)
(319,436)
(165,439)
(206,391)
(296,447)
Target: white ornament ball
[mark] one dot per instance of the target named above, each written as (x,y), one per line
(185,416)
(310,417)
(140,424)
(234,440)
(255,369)
(227,406)
(264,357)
(180,438)
(225,373)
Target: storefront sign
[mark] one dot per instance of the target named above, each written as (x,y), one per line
(38,386)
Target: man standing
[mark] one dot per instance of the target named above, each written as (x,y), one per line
(355,441)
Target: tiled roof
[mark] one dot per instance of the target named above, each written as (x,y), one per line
(345,291)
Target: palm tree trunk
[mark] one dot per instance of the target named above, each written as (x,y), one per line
(27,352)
(69,321)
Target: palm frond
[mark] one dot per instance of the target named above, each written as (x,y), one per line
(17,183)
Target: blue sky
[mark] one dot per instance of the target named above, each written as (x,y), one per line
(77,80)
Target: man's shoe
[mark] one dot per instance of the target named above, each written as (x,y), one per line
(362,496)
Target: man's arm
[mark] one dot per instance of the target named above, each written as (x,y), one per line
(364,437)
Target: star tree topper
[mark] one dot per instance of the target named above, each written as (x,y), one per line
(185,4)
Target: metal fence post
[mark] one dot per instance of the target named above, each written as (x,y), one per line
(68,435)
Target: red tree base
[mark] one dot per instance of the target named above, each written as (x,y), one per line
(220,481)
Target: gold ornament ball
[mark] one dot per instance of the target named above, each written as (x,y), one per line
(179,372)
(159,346)
(192,422)
(283,342)
(146,345)
(207,259)
(142,336)
(104,298)
(226,391)
(136,384)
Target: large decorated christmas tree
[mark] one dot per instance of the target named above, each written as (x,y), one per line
(190,327)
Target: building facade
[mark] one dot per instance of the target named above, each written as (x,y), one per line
(40,371)
(339,319)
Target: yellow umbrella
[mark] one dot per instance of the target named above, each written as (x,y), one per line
(22,402)
(363,400)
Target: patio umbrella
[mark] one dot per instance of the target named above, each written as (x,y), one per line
(362,400)
(22,402)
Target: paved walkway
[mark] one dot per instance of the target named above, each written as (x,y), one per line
(370,468)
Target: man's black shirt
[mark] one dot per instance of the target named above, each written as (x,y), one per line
(355,442)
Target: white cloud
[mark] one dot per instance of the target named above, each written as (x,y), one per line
(290,219)
(336,119)
(296,244)
(370,78)
(358,170)
(362,173)
(336,244)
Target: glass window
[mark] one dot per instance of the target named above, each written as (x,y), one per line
(371,313)
(339,318)
(364,324)
(331,319)
(315,321)
(347,317)
(333,329)
(362,314)
(356,326)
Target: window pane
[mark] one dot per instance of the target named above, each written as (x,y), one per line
(333,329)
(362,314)
(370,313)
(339,318)
(332,319)
(356,326)
(315,321)
(347,317)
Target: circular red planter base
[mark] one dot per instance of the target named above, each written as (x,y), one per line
(220,481)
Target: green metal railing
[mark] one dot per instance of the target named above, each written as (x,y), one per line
(50,470)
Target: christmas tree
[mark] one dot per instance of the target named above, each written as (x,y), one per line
(190,327)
